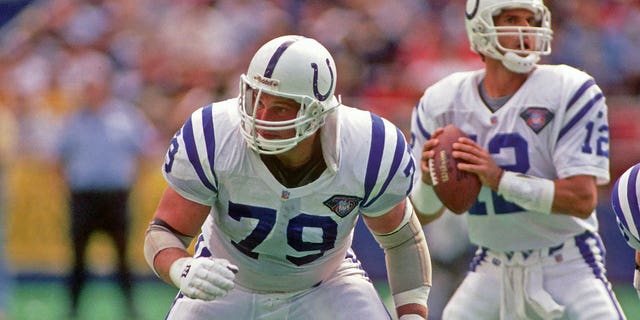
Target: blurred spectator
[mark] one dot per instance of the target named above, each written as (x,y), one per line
(589,41)
(99,153)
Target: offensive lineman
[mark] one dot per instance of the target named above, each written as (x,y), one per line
(539,143)
(274,181)
(625,201)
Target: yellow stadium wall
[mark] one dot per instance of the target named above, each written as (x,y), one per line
(37,224)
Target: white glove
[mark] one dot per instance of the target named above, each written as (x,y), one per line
(411,317)
(203,278)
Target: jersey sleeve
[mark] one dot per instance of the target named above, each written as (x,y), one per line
(583,140)
(188,166)
(427,116)
(389,169)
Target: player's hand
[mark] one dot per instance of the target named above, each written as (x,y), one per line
(203,278)
(477,160)
(428,153)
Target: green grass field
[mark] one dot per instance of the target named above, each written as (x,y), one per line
(48,300)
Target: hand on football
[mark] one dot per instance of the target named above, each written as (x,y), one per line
(477,160)
(203,278)
(428,153)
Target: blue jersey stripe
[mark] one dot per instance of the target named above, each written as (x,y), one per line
(580,92)
(579,115)
(615,203)
(398,155)
(375,156)
(595,259)
(588,255)
(210,139)
(478,258)
(192,153)
(423,131)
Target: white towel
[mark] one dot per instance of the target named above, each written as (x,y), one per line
(522,287)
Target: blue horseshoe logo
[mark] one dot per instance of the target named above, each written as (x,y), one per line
(320,96)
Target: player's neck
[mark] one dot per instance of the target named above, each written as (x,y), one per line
(500,82)
(301,154)
(297,167)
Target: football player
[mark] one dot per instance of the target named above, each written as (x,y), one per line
(538,140)
(625,201)
(272,184)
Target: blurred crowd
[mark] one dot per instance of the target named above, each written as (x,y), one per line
(171,57)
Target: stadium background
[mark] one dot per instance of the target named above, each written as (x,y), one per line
(387,51)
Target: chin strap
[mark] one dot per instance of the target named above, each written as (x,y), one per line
(520,64)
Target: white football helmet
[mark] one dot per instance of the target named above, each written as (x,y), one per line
(625,201)
(291,67)
(483,34)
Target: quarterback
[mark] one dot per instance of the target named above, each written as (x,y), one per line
(272,184)
(538,140)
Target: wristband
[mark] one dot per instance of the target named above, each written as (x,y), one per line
(412,316)
(529,192)
(419,295)
(424,199)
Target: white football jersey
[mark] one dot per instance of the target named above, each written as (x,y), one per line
(286,239)
(554,126)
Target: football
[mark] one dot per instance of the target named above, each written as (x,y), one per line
(458,190)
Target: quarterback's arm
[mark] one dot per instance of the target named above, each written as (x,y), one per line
(425,201)
(575,196)
(407,257)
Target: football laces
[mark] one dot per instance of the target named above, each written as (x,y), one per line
(432,172)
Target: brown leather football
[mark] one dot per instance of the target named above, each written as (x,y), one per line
(458,190)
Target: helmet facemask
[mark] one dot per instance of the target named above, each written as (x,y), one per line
(309,119)
(290,67)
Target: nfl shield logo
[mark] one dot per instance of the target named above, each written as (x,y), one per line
(342,205)
(536,118)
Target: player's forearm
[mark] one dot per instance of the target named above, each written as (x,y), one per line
(408,263)
(575,196)
(162,246)
(164,259)
(426,203)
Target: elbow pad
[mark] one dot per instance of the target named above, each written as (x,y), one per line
(161,236)
(406,255)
